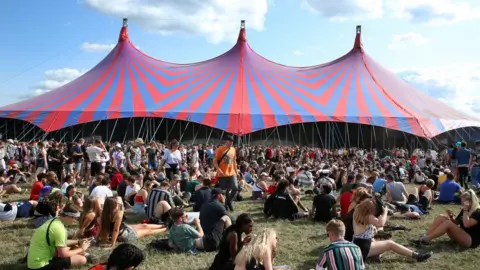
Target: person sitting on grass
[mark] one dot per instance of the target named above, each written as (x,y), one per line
(232,242)
(365,226)
(449,189)
(281,205)
(215,219)
(113,228)
(464,229)
(340,254)
(14,210)
(37,186)
(182,236)
(49,247)
(89,219)
(124,257)
(259,253)
(323,207)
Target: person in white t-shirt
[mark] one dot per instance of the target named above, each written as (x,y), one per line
(118,157)
(172,159)
(96,154)
(101,192)
(132,189)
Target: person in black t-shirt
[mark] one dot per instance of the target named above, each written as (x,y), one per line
(323,207)
(464,229)
(214,219)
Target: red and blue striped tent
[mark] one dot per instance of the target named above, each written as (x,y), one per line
(240,92)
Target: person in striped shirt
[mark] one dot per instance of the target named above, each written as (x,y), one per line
(340,254)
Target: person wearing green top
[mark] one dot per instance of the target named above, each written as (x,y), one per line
(49,247)
(182,236)
(191,186)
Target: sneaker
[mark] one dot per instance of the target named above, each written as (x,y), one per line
(421,257)
(421,242)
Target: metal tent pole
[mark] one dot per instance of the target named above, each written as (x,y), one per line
(155,133)
(140,130)
(181,136)
(126,132)
(95,129)
(208,139)
(347,134)
(113,131)
(169,132)
(319,135)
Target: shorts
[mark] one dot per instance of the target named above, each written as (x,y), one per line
(57,264)
(128,235)
(364,245)
(96,168)
(25,209)
(227,182)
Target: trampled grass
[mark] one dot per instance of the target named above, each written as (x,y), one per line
(300,244)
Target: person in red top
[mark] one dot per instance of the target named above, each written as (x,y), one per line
(116,178)
(37,186)
(346,198)
(125,256)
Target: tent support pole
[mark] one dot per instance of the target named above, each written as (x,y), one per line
(181,136)
(291,132)
(196,134)
(155,133)
(169,132)
(270,135)
(125,136)
(208,139)
(319,136)
(140,130)
(26,133)
(106,124)
(95,129)
(278,134)
(347,134)
(113,131)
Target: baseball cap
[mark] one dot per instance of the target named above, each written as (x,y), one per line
(217,191)
(228,138)
(118,145)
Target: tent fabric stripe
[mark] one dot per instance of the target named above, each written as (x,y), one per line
(240,92)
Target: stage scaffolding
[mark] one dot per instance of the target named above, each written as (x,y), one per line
(320,134)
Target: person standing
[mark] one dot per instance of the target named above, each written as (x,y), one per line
(226,165)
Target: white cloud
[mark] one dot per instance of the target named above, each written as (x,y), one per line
(404,41)
(298,53)
(342,10)
(96,47)
(54,78)
(434,12)
(454,84)
(217,20)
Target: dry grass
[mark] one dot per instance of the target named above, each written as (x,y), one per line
(300,244)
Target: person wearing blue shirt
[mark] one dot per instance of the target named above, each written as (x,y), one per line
(463,158)
(449,189)
(379,184)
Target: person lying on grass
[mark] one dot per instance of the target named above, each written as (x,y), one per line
(124,257)
(365,226)
(113,228)
(463,229)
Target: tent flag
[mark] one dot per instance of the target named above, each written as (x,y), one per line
(240,92)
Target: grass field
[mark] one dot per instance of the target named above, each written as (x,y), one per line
(300,244)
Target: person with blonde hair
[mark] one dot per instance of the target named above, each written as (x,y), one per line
(340,254)
(464,229)
(365,226)
(359,196)
(259,253)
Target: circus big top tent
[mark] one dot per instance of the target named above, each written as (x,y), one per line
(239,92)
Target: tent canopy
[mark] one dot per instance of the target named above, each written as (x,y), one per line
(240,92)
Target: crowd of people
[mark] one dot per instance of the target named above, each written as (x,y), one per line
(188,194)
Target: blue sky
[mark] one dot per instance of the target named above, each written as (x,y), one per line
(430,43)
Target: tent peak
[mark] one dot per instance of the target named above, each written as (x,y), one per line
(124,31)
(242,36)
(358,38)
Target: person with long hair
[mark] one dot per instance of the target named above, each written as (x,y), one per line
(114,229)
(141,197)
(365,226)
(232,242)
(259,253)
(41,159)
(123,257)
(464,229)
(172,159)
(89,219)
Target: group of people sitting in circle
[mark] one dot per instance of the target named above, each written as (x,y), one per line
(355,192)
